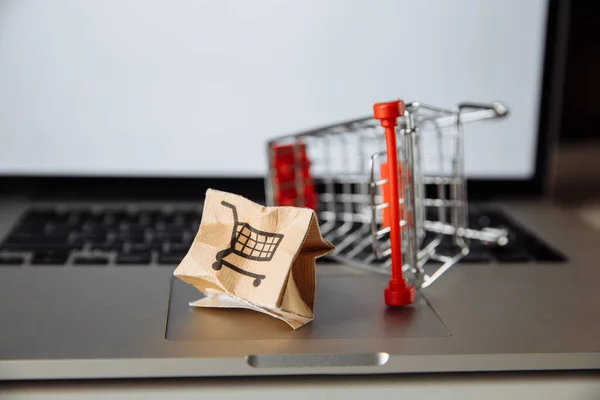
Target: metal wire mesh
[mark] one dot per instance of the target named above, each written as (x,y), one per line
(346,165)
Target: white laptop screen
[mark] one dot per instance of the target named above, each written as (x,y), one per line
(196,87)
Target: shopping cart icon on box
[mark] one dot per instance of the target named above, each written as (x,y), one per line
(249,243)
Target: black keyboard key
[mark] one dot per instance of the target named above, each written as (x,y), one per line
(6,260)
(58,231)
(56,237)
(29,229)
(147,218)
(170,235)
(38,217)
(120,215)
(131,227)
(132,258)
(139,239)
(193,214)
(154,244)
(23,238)
(178,248)
(50,258)
(60,216)
(170,258)
(95,216)
(193,219)
(94,229)
(109,221)
(94,239)
(130,237)
(174,218)
(38,238)
(137,248)
(193,226)
(40,247)
(90,260)
(106,246)
(111,245)
(74,219)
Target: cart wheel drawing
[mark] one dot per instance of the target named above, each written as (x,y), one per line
(249,243)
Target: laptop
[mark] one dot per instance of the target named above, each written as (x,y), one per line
(116,117)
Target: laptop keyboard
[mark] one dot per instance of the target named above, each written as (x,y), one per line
(96,237)
(83,237)
(523,246)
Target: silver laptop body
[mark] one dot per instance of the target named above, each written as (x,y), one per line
(74,306)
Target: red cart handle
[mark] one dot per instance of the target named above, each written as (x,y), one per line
(398,293)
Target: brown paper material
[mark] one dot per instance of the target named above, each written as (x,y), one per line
(249,256)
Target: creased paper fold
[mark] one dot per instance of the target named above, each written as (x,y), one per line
(246,255)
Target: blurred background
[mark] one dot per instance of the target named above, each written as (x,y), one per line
(195,88)
(191,88)
(577,166)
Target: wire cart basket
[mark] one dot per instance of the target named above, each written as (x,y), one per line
(249,243)
(384,217)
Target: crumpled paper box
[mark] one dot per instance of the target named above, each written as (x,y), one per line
(246,255)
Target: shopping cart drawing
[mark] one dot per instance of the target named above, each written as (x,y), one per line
(249,243)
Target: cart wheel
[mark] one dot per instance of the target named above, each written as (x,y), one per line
(256,282)
(217,265)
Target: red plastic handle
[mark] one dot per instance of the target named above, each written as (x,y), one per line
(398,293)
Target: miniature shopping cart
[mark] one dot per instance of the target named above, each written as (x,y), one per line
(249,243)
(386,190)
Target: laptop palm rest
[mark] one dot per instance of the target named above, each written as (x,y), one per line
(348,306)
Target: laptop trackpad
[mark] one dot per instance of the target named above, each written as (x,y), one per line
(348,306)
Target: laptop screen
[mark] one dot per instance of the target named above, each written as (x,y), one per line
(196,88)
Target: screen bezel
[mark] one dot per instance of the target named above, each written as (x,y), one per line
(253,187)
